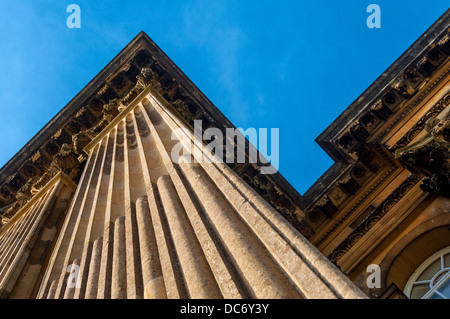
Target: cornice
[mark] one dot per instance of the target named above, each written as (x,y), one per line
(141,65)
(59,177)
(402,78)
(356,138)
(420,125)
(71,108)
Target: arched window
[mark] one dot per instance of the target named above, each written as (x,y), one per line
(432,279)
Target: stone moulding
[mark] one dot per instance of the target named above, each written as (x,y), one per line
(25,241)
(420,125)
(59,176)
(373,218)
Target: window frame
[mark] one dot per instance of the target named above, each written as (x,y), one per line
(430,260)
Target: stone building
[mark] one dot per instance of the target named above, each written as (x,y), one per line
(94,206)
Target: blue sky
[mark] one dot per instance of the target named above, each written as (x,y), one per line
(288,64)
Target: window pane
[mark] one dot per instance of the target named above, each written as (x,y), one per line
(419,291)
(436,296)
(431,270)
(445,289)
(447,260)
(439,278)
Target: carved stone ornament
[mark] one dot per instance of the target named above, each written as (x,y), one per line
(430,155)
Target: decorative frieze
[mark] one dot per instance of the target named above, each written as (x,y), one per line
(420,125)
(373,218)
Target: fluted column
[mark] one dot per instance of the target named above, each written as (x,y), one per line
(199,278)
(94,270)
(143,226)
(119,269)
(152,276)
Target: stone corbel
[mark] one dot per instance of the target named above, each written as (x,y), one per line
(65,161)
(430,155)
